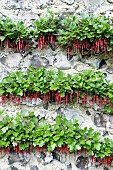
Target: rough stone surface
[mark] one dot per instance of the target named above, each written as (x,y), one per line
(34,167)
(70,114)
(82,162)
(93,4)
(61,62)
(11,60)
(110,1)
(37,61)
(54,59)
(70,2)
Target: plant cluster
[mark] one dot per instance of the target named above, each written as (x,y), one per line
(80,33)
(50,85)
(25,132)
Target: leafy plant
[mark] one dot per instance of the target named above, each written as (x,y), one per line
(87,87)
(80,33)
(25,132)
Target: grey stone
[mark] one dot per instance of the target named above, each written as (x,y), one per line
(11,60)
(110,69)
(69,166)
(110,1)
(13,157)
(70,2)
(14,4)
(37,61)
(22,158)
(61,62)
(70,114)
(94,62)
(93,4)
(34,167)
(82,162)
(79,66)
(110,77)
(14,168)
(61,157)
(99,120)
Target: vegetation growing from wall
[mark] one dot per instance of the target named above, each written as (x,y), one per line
(25,132)
(80,33)
(50,85)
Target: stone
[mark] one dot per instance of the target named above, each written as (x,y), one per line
(94,62)
(70,114)
(34,167)
(82,162)
(14,158)
(102,64)
(110,69)
(93,4)
(110,1)
(37,61)
(110,77)
(70,2)
(48,158)
(79,66)
(61,62)
(14,4)
(11,60)
(61,157)
(111,120)
(34,102)
(14,168)
(99,121)
(69,166)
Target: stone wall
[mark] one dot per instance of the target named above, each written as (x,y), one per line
(11,61)
(28,10)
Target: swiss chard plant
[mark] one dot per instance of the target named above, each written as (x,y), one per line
(80,33)
(26,133)
(50,85)
(44,29)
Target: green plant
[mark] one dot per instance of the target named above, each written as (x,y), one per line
(89,86)
(13,33)
(44,29)
(25,132)
(79,33)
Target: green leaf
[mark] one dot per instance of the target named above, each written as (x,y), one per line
(97,146)
(88,142)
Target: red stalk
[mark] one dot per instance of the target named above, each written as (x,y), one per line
(68,52)
(79,151)
(8,150)
(49,96)
(25,97)
(44,97)
(3,99)
(18,100)
(11,97)
(19,44)
(31,148)
(71,95)
(30,97)
(66,98)
(83,102)
(38,148)
(7,43)
(35,95)
(85,152)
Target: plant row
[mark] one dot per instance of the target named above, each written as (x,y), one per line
(25,132)
(50,85)
(80,33)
